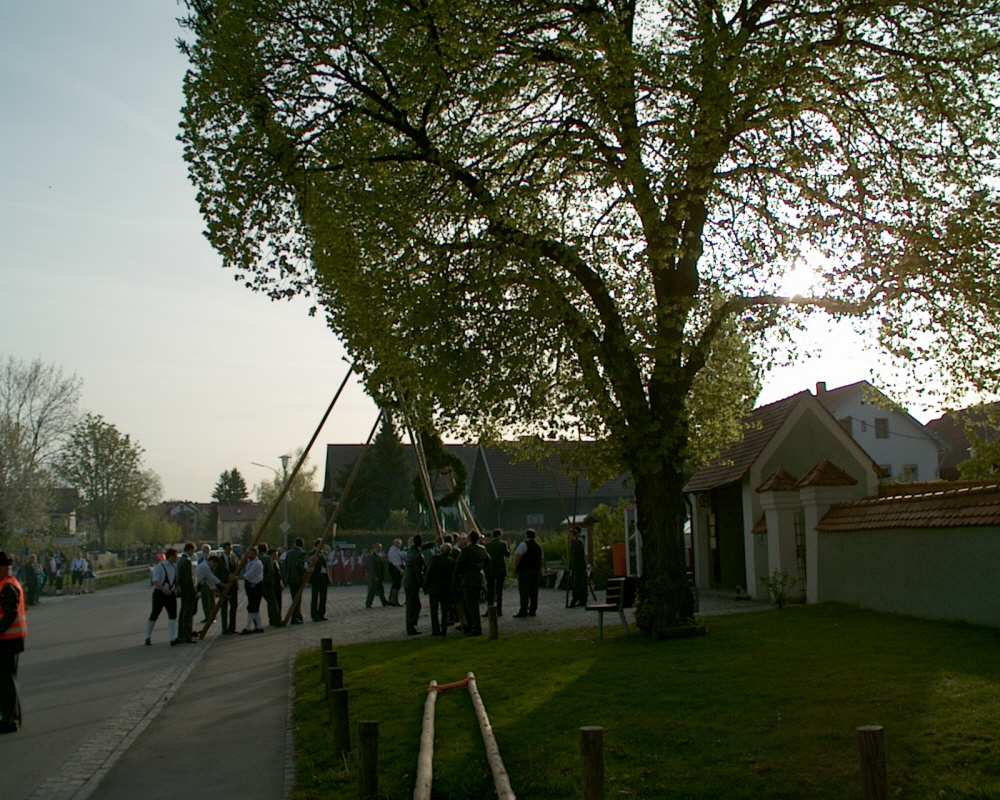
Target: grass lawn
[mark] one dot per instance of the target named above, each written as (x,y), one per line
(765,706)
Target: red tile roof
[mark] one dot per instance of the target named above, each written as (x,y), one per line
(937,506)
(781,480)
(827,473)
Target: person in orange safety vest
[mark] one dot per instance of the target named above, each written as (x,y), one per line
(13,630)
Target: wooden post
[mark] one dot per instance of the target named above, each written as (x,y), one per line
(340,721)
(425,758)
(871,754)
(494,631)
(335,678)
(592,755)
(327,658)
(367,760)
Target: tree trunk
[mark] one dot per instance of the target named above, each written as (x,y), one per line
(665,599)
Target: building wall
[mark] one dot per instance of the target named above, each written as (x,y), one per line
(807,443)
(948,574)
(907,443)
(731,571)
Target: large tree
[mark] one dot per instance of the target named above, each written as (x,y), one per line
(382,485)
(105,466)
(569,215)
(38,408)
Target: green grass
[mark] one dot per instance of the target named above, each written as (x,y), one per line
(765,706)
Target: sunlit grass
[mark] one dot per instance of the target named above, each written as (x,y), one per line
(765,706)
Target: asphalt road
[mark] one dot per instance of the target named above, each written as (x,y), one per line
(107,718)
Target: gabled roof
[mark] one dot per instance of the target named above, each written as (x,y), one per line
(937,506)
(781,480)
(734,462)
(551,479)
(339,456)
(827,473)
(950,428)
(831,397)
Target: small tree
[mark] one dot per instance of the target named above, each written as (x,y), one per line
(231,489)
(105,467)
(304,513)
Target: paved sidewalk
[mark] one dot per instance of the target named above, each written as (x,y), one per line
(226,729)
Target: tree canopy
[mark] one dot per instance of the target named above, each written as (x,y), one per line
(105,466)
(548,217)
(231,488)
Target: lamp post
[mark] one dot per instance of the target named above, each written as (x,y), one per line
(285,527)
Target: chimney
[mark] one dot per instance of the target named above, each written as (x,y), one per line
(820,388)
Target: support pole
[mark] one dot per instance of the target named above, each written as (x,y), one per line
(340,721)
(367,760)
(871,755)
(500,778)
(592,757)
(425,760)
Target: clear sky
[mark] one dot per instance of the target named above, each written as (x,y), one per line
(104,269)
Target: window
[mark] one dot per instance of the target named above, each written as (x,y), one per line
(881,427)
(910,472)
(846,424)
(535,520)
(885,472)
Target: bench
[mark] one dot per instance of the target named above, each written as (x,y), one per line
(614,600)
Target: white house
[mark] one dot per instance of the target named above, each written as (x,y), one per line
(903,448)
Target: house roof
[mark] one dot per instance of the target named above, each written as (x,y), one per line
(781,480)
(734,462)
(827,473)
(551,478)
(933,505)
(831,397)
(339,456)
(950,428)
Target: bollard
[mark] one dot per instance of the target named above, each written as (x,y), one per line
(340,721)
(494,631)
(368,760)
(335,678)
(592,755)
(871,755)
(328,658)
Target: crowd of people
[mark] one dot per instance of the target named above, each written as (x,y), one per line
(48,573)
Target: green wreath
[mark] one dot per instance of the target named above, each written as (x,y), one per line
(440,460)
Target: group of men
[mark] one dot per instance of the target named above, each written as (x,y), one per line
(461,572)
(213,581)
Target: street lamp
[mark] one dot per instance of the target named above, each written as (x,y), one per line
(285,527)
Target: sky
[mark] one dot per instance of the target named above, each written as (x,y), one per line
(104,269)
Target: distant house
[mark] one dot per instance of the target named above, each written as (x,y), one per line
(790,447)
(512,496)
(904,449)
(234,520)
(951,429)
(504,494)
(186,514)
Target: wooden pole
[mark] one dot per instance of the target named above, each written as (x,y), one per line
(592,756)
(314,559)
(340,720)
(500,778)
(425,759)
(367,760)
(494,630)
(871,755)
(277,503)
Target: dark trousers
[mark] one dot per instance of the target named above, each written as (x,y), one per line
(10,705)
(471,595)
(185,620)
(273,601)
(527,587)
(494,592)
(412,608)
(375,586)
(297,610)
(255,592)
(163,601)
(440,605)
(317,601)
(207,599)
(227,611)
(397,581)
